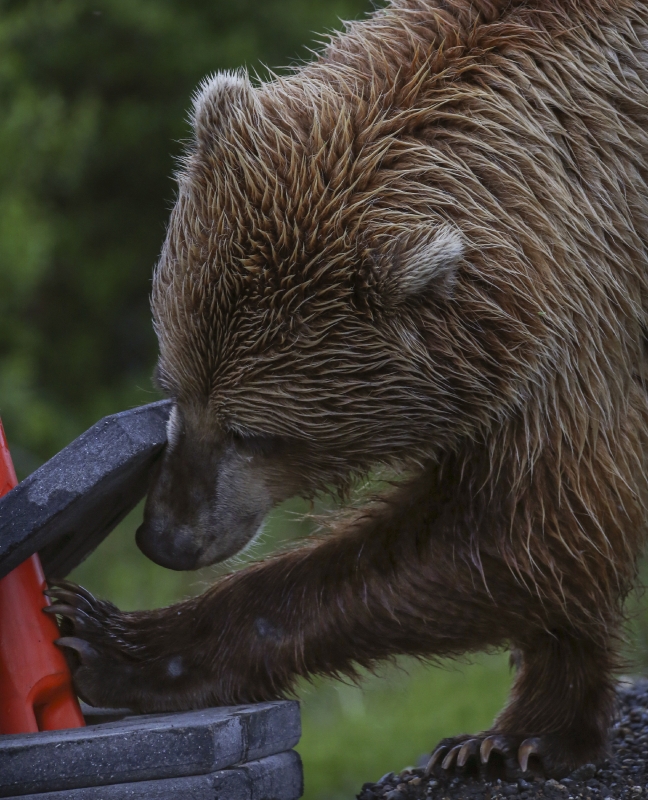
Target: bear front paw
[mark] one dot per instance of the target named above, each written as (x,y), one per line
(102,661)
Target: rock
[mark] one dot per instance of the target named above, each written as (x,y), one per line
(276,777)
(68,506)
(148,748)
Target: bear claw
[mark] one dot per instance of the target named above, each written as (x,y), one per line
(451,758)
(436,756)
(73,590)
(85,651)
(75,614)
(463,751)
(468,750)
(528,748)
(490,744)
(63,598)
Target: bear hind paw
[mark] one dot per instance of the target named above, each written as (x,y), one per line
(499,755)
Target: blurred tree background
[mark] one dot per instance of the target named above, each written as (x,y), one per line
(94,97)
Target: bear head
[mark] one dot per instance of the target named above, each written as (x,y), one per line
(292,304)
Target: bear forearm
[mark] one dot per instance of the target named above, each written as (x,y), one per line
(323,609)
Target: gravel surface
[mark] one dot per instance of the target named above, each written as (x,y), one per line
(623,777)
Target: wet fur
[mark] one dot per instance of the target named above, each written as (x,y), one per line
(297,318)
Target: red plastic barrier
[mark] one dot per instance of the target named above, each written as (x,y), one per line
(36,691)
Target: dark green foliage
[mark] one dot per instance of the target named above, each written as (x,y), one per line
(94,98)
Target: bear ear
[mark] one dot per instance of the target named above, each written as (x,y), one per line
(222,102)
(427,262)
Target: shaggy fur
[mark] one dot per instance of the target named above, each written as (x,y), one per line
(426,250)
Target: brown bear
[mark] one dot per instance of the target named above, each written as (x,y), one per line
(423,252)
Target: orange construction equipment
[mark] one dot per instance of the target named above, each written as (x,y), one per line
(36,691)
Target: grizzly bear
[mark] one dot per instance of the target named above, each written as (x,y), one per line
(424,252)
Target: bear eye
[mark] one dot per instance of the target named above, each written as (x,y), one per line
(238,436)
(254,443)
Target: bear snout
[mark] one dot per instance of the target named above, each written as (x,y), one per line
(171,547)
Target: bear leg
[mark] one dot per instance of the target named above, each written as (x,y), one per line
(557,717)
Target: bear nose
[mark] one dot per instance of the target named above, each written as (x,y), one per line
(173,549)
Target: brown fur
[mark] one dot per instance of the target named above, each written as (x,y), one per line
(425,250)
